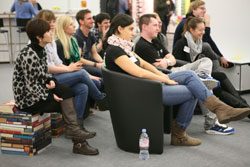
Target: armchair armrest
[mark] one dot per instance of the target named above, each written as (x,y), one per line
(180,62)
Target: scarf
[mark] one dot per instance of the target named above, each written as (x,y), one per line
(74,53)
(195,47)
(122,43)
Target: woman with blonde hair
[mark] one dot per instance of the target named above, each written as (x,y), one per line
(73,76)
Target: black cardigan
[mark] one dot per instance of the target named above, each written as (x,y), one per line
(178,50)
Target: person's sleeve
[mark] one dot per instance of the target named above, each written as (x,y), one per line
(93,38)
(161,46)
(115,53)
(207,38)
(79,41)
(178,32)
(32,9)
(60,51)
(12,9)
(57,59)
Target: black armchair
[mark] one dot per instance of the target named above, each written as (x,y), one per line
(136,104)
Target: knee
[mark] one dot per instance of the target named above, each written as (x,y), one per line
(83,73)
(207,61)
(206,45)
(81,89)
(219,76)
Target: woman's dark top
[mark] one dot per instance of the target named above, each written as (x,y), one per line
(112,53)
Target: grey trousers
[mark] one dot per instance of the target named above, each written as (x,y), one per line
(202,65)
(207,51)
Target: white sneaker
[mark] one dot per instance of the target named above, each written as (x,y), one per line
(210,82)
(220,129)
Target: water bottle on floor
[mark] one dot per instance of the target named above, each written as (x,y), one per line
(144,145)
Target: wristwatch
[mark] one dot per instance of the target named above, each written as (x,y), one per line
(168,61)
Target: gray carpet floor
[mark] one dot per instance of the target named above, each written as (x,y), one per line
(215,151)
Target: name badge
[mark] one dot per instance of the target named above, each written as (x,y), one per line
(133,59)
(186,49)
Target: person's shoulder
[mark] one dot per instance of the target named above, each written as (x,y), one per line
(112,48)
(182,40)
(78,33)
(92,36)
(27,53)
(58,42)
(142,42)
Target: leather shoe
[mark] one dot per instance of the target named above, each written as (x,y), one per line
(84,148)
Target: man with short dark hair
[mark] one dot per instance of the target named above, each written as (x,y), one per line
(86,41)
(151,50)
(102,24)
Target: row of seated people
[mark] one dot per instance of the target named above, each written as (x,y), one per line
(65,61)
(71,75)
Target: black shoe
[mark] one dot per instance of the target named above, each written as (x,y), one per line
(103,103)
(84,148)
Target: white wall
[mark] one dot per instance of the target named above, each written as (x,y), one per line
(65,5)
(231,27)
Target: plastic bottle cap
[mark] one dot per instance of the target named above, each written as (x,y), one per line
(144,130)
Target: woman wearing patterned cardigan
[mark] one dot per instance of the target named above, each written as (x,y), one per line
(35,91)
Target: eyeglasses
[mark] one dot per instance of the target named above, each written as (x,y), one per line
(202,8)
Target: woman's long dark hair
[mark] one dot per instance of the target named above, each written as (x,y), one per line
(122,20)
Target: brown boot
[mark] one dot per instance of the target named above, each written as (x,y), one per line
(84,148)
(179,137)
(72,128)
(81,125)
(224,112)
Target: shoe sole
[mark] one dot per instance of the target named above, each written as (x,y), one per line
(212,132)
(210,84)
(78,152)
(236,118)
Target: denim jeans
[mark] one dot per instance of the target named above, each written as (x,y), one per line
(187,93)
(82,86)
(202,65)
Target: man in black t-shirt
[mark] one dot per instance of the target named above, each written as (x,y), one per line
(151,50)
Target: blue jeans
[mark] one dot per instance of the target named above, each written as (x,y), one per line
(189,90)
(81,86)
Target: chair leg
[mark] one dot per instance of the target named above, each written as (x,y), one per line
(9,50)
(19,35)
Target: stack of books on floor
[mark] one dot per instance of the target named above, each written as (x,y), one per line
(23,133)
(56,124)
